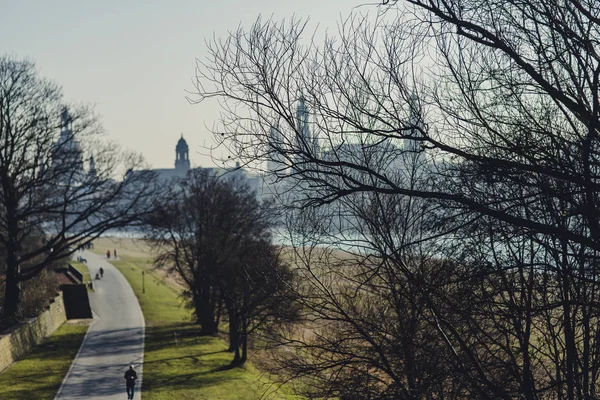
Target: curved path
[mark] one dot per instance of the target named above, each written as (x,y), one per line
(114,341)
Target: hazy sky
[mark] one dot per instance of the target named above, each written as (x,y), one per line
(133,60)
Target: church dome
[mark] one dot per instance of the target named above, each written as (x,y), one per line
(181,146)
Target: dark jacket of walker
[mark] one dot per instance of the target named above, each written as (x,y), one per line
(130,376)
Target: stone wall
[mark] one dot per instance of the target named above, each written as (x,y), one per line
(17,341)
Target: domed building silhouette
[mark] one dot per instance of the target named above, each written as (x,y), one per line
(182,162)
(182,155)
(183,166)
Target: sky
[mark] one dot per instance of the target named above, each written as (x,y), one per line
(134,60)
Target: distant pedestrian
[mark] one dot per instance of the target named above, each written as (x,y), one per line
(130,377)
(101,272)
(107,253)
(115,252)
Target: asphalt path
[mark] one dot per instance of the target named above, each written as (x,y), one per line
(114,341)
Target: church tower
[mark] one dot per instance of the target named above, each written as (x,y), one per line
(182,158)
(305,140)
(92,168)
(415,120)
(302,119)
(275,161)
(66,152)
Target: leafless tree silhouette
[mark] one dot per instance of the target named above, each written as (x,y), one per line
(215,234)
(499,101)
(46,194)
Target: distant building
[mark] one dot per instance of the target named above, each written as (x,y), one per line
(92,168)
(67,156)
(182,162)
(416,121)
(182,167)
(371,159)
(182,155)
(276,162)
(67,165)
(306,140)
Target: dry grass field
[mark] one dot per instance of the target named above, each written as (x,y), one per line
(135,248)
(125,246)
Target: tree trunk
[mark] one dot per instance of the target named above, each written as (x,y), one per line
(233,334)
(12,292)
(234,342)
(244,343)
(237,359)
(219,308)
(205,315)
(569,333)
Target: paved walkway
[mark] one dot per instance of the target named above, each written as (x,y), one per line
(114,341)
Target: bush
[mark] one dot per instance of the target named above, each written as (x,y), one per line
(35,296)
(37,293)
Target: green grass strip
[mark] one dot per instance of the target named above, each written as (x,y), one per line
(40,373)
(81,267)
(178,364)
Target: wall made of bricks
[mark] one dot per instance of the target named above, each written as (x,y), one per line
(17,341)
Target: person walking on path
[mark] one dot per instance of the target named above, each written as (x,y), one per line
(115,253)
(101,272)
(130,377)
(107,253)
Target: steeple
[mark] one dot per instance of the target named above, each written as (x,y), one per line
(92,167)
(302,119)
(305,139)
(67,120)
(416,122)
(66,126)
(276,161)
(67,150)
(182,159)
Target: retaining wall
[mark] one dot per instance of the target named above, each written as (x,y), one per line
(17,341)
(77,302)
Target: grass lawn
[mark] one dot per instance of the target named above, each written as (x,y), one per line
(177,363)
(81,267)
(39,374)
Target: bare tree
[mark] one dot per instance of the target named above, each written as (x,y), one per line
(369,329)
(215,234)
(508,89)
(500,101)
(47,195)
(36,293)
(258,291)
(200,229)
(399,308)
